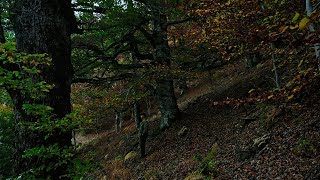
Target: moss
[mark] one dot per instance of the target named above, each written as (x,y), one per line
(208,164)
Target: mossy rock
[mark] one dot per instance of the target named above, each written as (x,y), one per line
(256,146)
(131,156)
(195,176)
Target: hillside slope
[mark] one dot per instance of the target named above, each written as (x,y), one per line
(220,140)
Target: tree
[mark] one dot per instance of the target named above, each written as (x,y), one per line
(140,29)
(162,56)
(43,26)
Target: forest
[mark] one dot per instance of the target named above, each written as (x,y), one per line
(159,89)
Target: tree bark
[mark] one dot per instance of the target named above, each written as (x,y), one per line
(316,46)
(2,38)
(168,103)
(275,69)
(137,114)
(118,123)
(44,26)
(143,135)
(162,56)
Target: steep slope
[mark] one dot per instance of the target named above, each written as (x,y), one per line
(220,140)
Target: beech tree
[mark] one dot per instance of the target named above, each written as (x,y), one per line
(138,28)
(43,27)
(162,56)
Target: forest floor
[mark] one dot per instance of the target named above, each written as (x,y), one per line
(220,140)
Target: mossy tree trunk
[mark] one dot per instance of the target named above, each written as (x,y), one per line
(162,56)
(44,26)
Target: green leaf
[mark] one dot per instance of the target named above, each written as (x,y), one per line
(296,17)
(303,23)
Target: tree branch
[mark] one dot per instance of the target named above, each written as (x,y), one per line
(170,23)
(146,34)
(97,80)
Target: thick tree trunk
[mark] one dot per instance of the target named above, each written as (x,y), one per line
(164,89)
(168,103)
(44,26)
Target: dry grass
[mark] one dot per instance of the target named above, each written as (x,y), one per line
(116,170)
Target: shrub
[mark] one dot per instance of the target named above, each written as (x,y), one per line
(6,141)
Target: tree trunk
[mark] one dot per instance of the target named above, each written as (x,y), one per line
(136,113)
(119,119)
(316,46)
(143,135)
(276,74)
(168,103)
(2,38)
(162,56)
(117,122)
(44,26)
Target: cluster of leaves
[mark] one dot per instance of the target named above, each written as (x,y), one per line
(6,135)
(97,104)
(53,157)
(276,29)
(240,27)
(298,86)
(21,72)
(18,71)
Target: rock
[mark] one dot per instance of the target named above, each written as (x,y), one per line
(195,176)
(131,156)
(247,120)
(253,149)
(106,156)
(260,142)
(183,131)
(120,143)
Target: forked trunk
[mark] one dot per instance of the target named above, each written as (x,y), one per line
(164,88)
